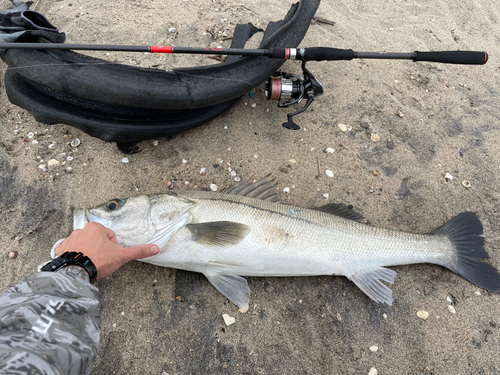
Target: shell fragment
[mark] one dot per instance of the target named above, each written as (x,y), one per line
(228,319)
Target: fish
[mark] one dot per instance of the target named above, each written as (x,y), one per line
(248,231)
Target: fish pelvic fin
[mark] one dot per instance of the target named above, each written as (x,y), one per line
(368,280)
(234,287)
(465,234)
(218,233)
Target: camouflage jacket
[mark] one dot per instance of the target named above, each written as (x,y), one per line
(50,324)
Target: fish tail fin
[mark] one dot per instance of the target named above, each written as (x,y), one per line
(465,233)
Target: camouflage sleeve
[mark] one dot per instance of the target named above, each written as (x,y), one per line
(50,324)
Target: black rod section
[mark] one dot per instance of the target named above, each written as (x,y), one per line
(82,47)
(383,55)
(453,57)
(220,51)
(125,48)
(446,57)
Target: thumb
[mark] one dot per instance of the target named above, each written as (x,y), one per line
(140,251)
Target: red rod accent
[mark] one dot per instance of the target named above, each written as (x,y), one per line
(161,49)
(485,58)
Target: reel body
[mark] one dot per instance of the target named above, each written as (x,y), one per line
(289,89)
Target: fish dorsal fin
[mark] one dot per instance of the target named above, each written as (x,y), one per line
(218,233)
(264,189)
(368,280)
(340,209)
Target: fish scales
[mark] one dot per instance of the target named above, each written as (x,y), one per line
(313,236)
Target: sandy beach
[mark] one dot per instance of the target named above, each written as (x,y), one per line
(431,119)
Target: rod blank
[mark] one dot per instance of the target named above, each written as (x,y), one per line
(304,54)
(80,47)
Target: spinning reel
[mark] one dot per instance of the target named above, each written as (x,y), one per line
(289,89)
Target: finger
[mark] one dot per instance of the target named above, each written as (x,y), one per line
(94,226)
(139,252)
(111,235)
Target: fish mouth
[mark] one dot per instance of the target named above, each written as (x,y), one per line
(82,217)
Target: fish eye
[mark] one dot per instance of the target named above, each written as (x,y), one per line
(113,205)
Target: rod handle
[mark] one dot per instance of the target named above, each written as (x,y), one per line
(452,57)
(324,53)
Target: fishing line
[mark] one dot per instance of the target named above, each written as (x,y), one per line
(41,65)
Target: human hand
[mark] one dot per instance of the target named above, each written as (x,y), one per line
(99,244)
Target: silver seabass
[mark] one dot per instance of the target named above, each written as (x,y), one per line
(245,232)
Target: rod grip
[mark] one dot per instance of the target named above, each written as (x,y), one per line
(324,53)
(453,57)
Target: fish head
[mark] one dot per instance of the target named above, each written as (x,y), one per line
(137,220)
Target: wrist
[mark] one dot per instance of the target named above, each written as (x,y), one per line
(72,260)
(75,271)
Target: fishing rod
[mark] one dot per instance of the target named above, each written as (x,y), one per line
(288,89)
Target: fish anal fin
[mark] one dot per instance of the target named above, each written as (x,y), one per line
(368,281)
(340,209)
(218,233)
(234,287)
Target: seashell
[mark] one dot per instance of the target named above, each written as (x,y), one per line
(53,164)
(422,314)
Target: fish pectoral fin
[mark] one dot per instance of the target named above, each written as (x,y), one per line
(340,209)
(368,281)
(218,233)
(234,287)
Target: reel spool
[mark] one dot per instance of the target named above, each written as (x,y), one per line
(287,89)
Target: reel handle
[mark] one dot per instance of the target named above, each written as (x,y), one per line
(452,57)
